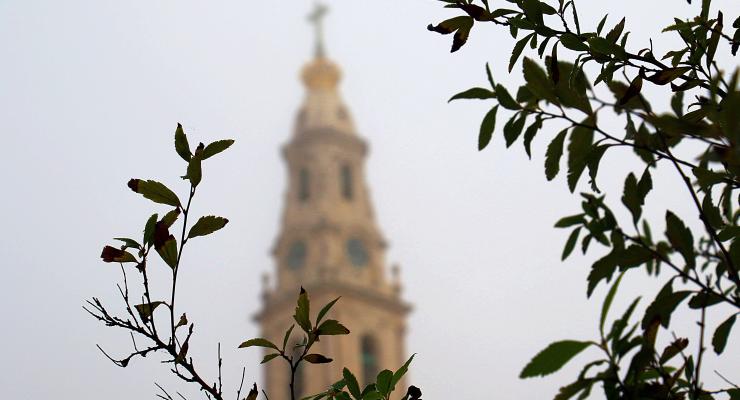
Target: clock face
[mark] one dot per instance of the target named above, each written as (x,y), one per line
(297,255)
(357,253)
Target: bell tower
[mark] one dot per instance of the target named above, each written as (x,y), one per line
(330,243)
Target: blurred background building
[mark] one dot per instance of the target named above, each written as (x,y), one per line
(330,244)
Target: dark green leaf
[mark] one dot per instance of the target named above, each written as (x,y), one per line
(538,81)
(673,349)
(579,149)
(487,127)
(601,25)
(332,327)
(269,357)
(505,99)
(573,42)
(400,372)
(570,221)
(287,336)
(195,173)
(613,35)
(302,311)
(719,339)
(490,76)
(552,358)
(704,299)
(553,155)
(571,243)
(663,306)
(154,191)
(317,358)
(169,219)
(529,134)
(384,382)
(181,143)
(631,197)
(325,310)
(473,93)
(147,309)
(602,269)
(518,48)
(681,238)
(207,225)
(258,342)
(632,91)
(149,229)
(513,128)
(129,242)
(168,251)
(608,302)
(352,385)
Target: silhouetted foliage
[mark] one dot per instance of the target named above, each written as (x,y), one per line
(559,99)
(156,322)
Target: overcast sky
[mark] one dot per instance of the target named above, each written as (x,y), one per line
(90,94)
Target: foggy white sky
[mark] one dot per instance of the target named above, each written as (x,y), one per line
(90,94)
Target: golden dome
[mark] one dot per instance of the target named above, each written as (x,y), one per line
(321,74)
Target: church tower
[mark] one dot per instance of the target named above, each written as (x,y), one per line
(330,244)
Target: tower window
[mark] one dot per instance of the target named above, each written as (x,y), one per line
(369,351)
(304,185)
(346,181)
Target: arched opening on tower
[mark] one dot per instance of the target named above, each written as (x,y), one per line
(304,185)
(346,182)
(369,352)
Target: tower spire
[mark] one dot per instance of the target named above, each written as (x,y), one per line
(317,19)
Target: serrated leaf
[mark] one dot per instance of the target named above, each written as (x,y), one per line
(487,127)
(505,99)
(169,219)
(149,229)
(680,238)
(552,358)
(258,342)
(719,339)
(553,155)
(538,82)
(473,93)
(579,149)
(517,51)
(181,143)
(207,225)
(302,311)
(216,147)
(154,191)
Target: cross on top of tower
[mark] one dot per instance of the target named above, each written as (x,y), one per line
(317,18)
